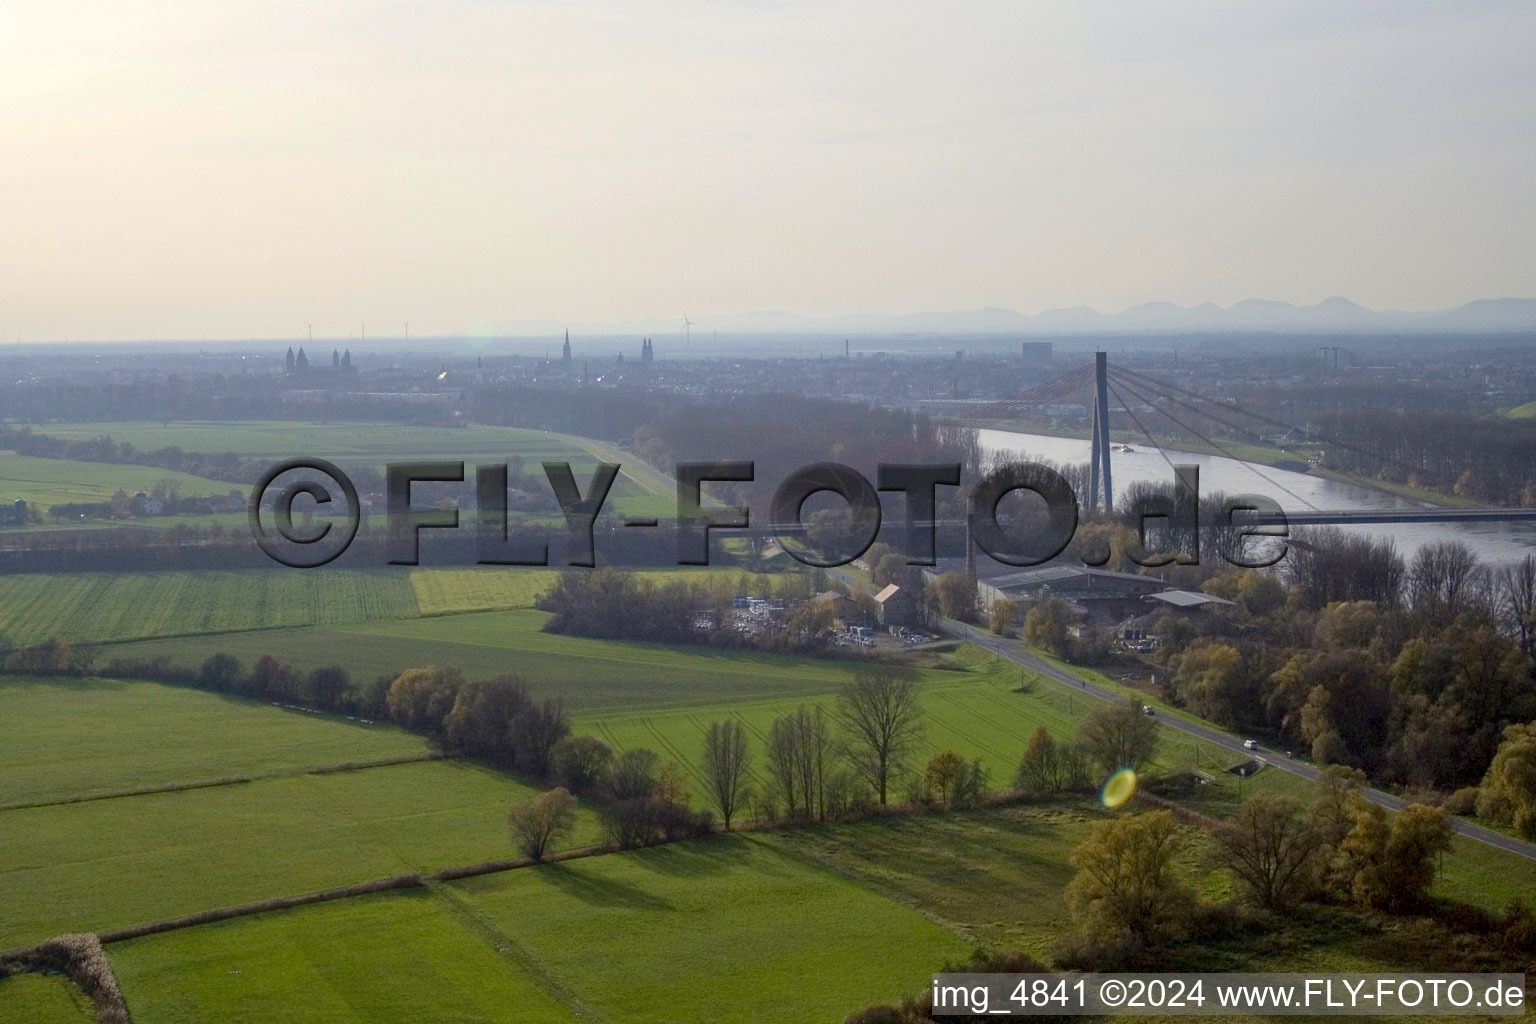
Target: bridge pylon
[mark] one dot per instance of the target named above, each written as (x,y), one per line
(1099,483)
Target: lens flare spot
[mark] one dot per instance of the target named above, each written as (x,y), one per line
(1119,788)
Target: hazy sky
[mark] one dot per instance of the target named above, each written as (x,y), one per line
(186,170)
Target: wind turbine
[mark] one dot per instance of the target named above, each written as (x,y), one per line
(688,326)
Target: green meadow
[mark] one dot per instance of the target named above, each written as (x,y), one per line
(587,674)
(640,490)
(451,591)
(390,957)
(850,912)
(997,876)
(984,708)
(785,939)
(43,999)
(67,738)
(111,607)
(99,607)
(106,864)
(48,482)
(722,930)
(282,439)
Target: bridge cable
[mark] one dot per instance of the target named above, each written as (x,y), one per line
(1206,413)
(1137,420)
(1311,435)
(1221,448)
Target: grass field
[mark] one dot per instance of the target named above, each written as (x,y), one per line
(281,439)
(587,674)
(720,930)
(390,957)
(449,591)
(109,864)
(111,607)
(989,711)
(43,999)
(639,491)
(48,482)
(716,931)
(998,877)
(851,912)
(97,607)
(70,738)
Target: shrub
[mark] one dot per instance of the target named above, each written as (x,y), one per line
(581,762)
(1463,801)
(541,822)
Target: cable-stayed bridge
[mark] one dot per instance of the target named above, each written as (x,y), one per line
(1178,405)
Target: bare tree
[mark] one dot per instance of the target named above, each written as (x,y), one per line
(541,822)
(800,755)
(1118,735)
(1331,564)
(783,760)
(1445,579)
(1517,588)
(879,712)
(727,766)
(1271,848)
(813,754)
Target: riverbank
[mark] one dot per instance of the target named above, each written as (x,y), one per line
(1262,455)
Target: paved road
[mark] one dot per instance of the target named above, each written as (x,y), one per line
(1014,652)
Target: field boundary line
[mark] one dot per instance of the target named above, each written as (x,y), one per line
(241,630)
(228,780)
(170,787)
(509,949)
(416,880)
(411,880)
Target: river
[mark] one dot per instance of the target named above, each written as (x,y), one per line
(1494,543)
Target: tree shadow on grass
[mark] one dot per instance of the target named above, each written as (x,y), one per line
(80,684)
(696,857)
(586,884)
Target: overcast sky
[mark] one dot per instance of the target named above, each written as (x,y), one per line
(190,170)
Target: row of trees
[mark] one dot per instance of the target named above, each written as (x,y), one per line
(815,766)
(620,605)
(642,800)
(216,466)
(818,765)
(493,720)
(1487,459)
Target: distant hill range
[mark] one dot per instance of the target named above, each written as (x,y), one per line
(1329,316)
